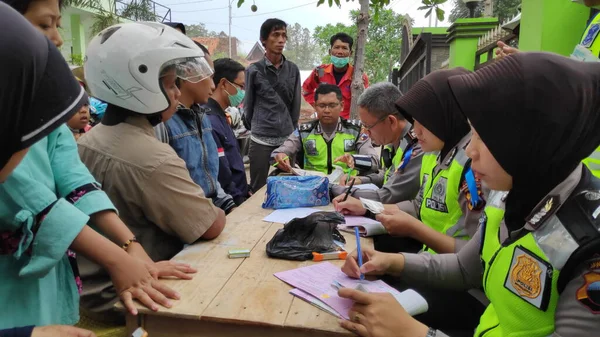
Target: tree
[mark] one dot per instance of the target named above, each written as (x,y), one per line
(506,9)
(384,41)
(433,6)
(460,10)
(138,10)
(376,3)
(199,30)
(301,47)
(503,10)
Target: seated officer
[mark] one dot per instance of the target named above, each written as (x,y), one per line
(328,140)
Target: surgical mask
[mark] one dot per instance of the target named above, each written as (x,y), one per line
(238,98)
(340,62)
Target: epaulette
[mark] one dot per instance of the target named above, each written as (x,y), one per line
(308,126)
(352,123)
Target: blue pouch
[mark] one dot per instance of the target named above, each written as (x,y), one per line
(295,191)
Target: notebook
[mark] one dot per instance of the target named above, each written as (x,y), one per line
(366,227)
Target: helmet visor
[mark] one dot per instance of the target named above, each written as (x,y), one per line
(191,69)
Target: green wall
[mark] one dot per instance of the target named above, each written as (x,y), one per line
(463,37)
(552,25)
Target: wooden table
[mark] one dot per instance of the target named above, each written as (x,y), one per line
(240,297)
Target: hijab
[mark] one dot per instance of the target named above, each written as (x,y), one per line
(38,93)
(431,103)
(539,115)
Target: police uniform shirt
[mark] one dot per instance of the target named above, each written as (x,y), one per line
(293,145)
(400,186)
(470,217)
(578,310)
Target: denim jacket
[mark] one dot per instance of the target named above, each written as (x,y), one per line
(198,149)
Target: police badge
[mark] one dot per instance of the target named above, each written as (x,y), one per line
(530,278)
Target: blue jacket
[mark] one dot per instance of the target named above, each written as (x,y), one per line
(196,146)
(38,285)
(232,173)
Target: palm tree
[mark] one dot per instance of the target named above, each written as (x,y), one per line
(433,5)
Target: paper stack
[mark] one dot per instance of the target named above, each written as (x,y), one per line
(314,285)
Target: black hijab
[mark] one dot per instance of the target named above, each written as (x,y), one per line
(539,115)
(431,103)
(38,93)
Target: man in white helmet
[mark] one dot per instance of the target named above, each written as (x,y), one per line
(133,67)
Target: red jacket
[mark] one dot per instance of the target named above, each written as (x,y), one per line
(326,71)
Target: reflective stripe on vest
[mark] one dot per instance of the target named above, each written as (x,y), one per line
(437,200)
(590,38)
(520,279)
(319,154)
(593,162)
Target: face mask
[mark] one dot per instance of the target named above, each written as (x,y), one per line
(238,98)
(339,62)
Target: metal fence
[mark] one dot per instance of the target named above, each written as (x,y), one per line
(416,65)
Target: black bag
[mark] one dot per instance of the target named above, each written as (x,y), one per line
(300,237)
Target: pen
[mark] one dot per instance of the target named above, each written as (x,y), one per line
(348,191)
(359,251)
(277,163)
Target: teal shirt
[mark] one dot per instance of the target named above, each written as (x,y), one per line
(38,287)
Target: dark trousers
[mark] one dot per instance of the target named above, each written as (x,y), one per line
(456,313)
(260,159)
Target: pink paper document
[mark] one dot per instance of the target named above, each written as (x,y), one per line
(317,280)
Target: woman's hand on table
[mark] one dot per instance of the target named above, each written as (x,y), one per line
(132,280)
(379,315)
(175,269)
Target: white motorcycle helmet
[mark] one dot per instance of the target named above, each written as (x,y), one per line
(124,63)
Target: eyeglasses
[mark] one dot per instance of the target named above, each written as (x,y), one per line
(330,106)
(235,84)
(369,127)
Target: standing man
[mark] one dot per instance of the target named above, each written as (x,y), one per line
(272,100)
(338,72)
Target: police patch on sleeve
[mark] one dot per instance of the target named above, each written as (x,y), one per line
(530,278)
(589,293)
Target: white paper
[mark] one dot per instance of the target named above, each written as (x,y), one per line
(374,206)
(367,227)
(285,215)
(372,187)
(581,53)
(412,302)
(335,176)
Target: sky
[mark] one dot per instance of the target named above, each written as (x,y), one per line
(246,24)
